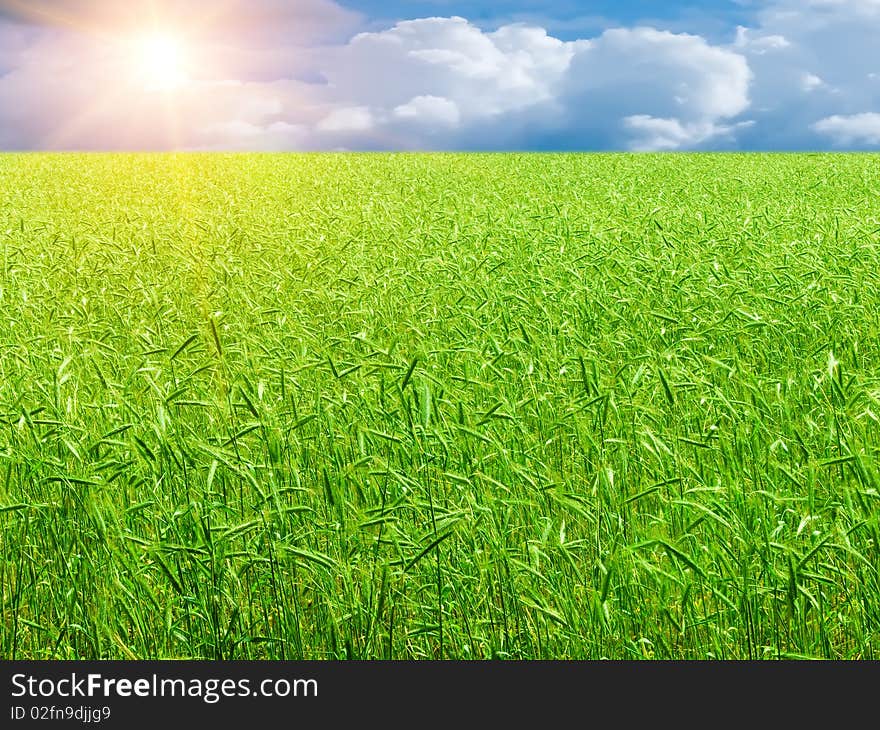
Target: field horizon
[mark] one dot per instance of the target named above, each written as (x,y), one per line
(440,405)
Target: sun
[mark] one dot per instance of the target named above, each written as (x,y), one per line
(161,61)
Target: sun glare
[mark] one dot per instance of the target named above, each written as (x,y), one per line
(161,61)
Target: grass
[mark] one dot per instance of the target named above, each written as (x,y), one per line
(440,406)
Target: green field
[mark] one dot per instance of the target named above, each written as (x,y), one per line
(457,406)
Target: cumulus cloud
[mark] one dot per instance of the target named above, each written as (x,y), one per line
(676,87)
(653,134)
(68,92)
(823,69)
(246,136)
(347,119)
(518,83)
(280,75)
(429,110)
(811,82)
(433,82)
(449,58)
(856,129)
(759,44)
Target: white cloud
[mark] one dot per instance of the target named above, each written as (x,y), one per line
(804,70)
(484,74)
(438,82)
(654,134)
(518,84)
(429,110)
(686,86)
(823,71)
(347,119)
(240,135)
(811,82)
(760,44)
(69,92)
(858,129)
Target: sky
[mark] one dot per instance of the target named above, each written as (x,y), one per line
(439,74)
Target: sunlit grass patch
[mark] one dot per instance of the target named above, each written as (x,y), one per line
(390,406)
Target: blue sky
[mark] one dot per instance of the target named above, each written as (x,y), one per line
(566,19)
(439,74)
